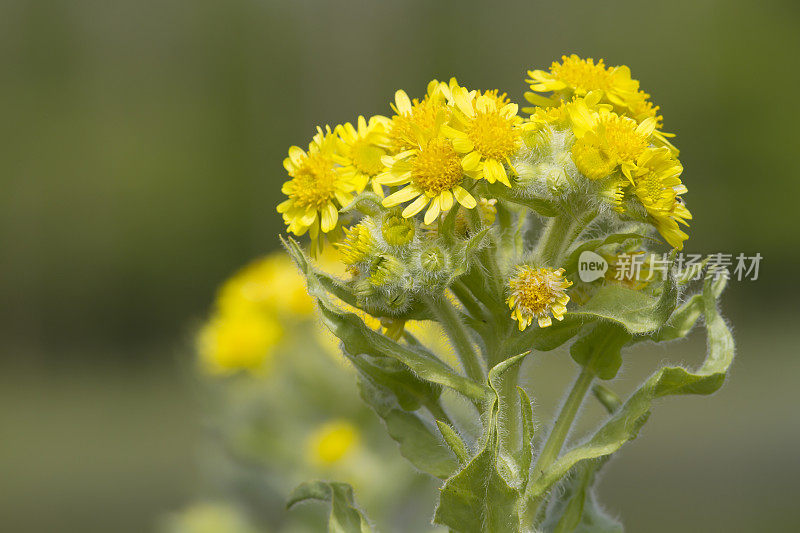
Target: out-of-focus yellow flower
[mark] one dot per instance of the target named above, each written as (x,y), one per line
(487,129)
(318,188)
(331,442)
(360,149)
(536,293)
(238,341)
(271,285)
(210,517)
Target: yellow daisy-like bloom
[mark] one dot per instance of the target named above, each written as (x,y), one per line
(357,246)
(271,285)
(487,129)
(318,188)
(537,293)
(238,341)
(658,186)
(332,442)
(574,76)
(432,173)
(360,149)
(414,119)
(607,141)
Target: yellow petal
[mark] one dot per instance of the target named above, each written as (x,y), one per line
(415,207)
(463,197)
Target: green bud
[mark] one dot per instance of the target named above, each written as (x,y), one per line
(386,269)
(433,259)
(397,231)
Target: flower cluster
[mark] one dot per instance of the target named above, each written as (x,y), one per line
(381,190)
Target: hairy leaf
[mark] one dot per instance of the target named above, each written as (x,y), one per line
(416,438)
(600,350)
(479,498)
(626,423)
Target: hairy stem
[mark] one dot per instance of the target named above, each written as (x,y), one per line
(459,335)
(559,234)
(558,435)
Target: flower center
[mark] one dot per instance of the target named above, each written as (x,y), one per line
(437,167)
(622,138)
(583,74)
(406,127)
(493,135)
(314,183)
(535,290)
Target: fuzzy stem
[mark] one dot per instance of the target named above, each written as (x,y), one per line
(459,336)
(558,435)
(559,234)
(468,300)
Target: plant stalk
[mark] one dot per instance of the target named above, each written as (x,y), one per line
(459,335)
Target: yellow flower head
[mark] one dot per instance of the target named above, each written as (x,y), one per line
(658,186)
(574,76)
(536,293)
(237,341)
(270,285)
(356,247)
(487,129)
(432,173)
(606,141)
(318,187)
(332,442)
(360,149)
(414,118)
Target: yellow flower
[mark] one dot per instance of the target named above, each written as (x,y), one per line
(574,76)
(487,129)
(238,341)
(318,187)
(536,293)
(658,186)
(332,442)
(432,173)
(270,285)
(414,119)
(360,149)
(606,141)
(356,247)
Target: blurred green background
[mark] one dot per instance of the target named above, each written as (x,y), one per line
(140,156)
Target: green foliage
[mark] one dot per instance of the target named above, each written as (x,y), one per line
(345,516)
(481,497)
(627,422)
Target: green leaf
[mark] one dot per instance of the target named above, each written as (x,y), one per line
(410,391)
(575,509)
(600,350)
(479,498)
(416,438)
(357,339)
(637,311)
(543,339)
(345,516)
(626,423)
(452,438)
(525,456)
